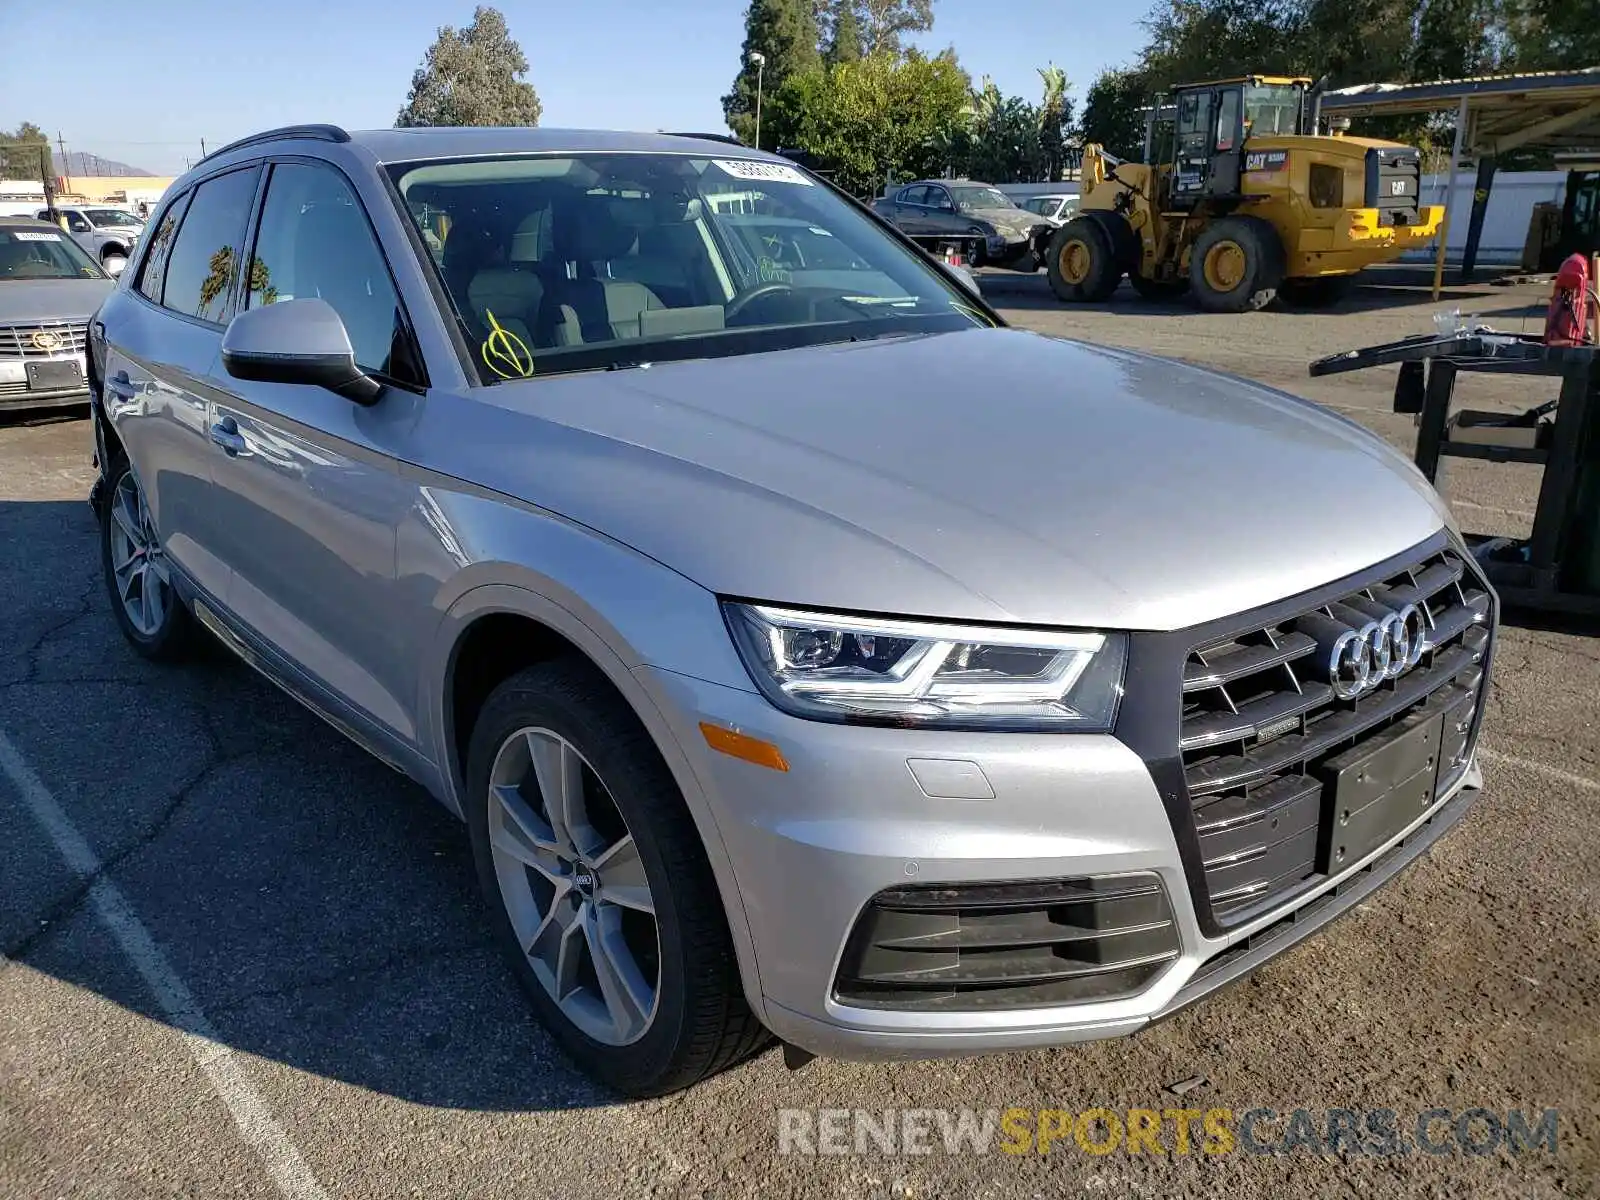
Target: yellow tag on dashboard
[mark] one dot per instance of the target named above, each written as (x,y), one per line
(505,353)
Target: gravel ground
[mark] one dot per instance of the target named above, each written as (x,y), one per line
(318,915)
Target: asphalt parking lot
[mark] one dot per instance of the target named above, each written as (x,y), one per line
(244,959)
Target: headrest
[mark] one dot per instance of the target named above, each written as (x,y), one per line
(587,231)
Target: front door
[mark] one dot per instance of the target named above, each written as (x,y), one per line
(309,488)
(157,389)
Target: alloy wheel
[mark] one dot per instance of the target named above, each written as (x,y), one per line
(574,886)
(140,568)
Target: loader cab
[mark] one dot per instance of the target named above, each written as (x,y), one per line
(1213,121)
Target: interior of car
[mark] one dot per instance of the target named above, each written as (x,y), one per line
(540,255)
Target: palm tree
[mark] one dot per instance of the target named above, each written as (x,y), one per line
(1053,120)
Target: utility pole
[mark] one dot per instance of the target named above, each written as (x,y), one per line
(760,61)
(66,163)
(202,147)
(49,186)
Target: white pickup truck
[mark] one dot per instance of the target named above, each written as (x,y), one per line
(105,231)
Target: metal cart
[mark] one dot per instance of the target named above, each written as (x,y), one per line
(1557,569)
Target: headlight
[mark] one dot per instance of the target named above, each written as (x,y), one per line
(872,669)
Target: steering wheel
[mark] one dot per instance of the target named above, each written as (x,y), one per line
(760,292)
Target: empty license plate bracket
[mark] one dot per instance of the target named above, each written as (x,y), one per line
(53,375)
(1378,788)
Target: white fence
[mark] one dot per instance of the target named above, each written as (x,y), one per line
(1505,224)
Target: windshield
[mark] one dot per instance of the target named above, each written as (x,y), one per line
(43,254)
(110,216)
(969,198)
(1271,109)
(590,261)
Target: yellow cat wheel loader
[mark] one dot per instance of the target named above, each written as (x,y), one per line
(1248,202)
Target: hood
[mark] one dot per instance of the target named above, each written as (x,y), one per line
(984,475)
(25,301)
(1018,222)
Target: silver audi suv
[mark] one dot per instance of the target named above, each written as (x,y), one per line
(805,651)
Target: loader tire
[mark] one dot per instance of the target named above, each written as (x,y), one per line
(1236,265)
(1082,262)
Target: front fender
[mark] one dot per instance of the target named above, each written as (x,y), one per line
(623,610)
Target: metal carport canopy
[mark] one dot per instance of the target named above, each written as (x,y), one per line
(1495,114)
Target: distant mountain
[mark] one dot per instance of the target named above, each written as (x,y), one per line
(80,162)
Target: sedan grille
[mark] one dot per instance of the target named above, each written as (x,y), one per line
(1266,737)
(43,340)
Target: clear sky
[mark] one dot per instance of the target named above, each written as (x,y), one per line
(163,74)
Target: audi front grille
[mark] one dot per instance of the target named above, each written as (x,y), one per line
(1289,766)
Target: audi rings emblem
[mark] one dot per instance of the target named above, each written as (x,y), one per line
(1384,648)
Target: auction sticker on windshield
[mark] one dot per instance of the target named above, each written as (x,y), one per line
(27,235)
(744,168)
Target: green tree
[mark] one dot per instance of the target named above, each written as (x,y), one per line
(25,153)
(844,36)
(472,76)
(785,33)
(1455,39)
(1551,35)
(874,118)
(1112,115)
(884,21)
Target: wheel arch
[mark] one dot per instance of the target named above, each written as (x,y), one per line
(495,629)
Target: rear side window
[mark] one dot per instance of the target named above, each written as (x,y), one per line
(204,260)
(315,241)
(155,260)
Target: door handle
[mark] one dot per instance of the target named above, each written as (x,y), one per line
(225,433)
(120,386)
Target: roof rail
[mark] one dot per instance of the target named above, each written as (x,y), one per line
(708,137)
(319,133)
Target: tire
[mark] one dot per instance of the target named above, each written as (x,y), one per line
(1322,292)
(1082,262)
(696,1022)
(1158,289)
(138,581)
(114,261)
(1236,265)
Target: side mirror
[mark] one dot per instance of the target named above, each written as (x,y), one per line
(964,277)
(296,341)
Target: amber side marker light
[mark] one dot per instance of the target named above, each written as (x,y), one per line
(742,745)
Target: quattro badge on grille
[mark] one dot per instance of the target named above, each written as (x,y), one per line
(46,340)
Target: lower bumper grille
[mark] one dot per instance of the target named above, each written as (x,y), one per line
(1295,768)
(1008,945)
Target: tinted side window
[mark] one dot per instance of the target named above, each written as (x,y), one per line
(914,195)
(204,261)
(314,240)
(154,273)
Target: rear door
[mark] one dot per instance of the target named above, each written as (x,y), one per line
(309,489)
(911,209)
(163,340)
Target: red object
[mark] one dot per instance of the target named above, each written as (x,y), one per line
(1568,319)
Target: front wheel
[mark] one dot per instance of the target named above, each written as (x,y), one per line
(599,887)
(1082,262)
(138,579)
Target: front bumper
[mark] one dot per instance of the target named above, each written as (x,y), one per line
(16,394)
(811,847)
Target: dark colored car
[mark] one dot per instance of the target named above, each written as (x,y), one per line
(1003,234)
